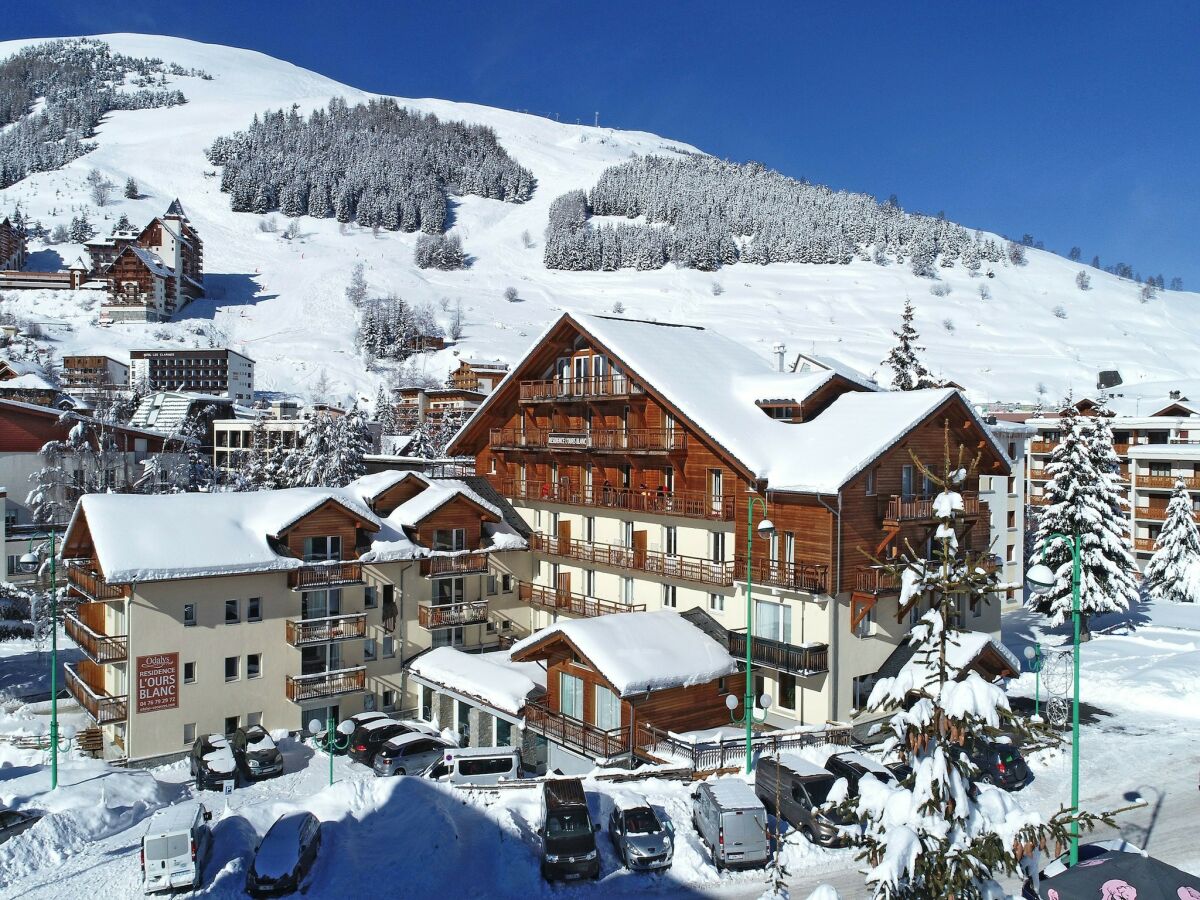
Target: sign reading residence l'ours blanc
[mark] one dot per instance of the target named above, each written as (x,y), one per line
(157,682)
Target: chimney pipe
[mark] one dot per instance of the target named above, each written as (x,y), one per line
(780,350)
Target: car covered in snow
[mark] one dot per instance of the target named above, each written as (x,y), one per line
(256,753)
(285,855)
(14,821)
(853,765)
(356,720)
(409,753)
(212,763)
(642,838)
(175,847)
(800,792)
(368,737)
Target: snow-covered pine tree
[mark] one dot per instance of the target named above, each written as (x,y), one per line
(332,450)
(1173,573)
(908,372)
(385,412)
(941,833)
(1080,500)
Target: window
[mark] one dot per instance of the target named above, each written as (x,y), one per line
(671,540)
(977,609)
(773,620)
(189,614)
(718,546)
(232,723)
(14,564)
(506,583)
(866,624)
(870,483)
(503,733)
(787,690)
(189,734)
(370,596)
(491,585)
(589,582)
(317,549)
(254,609)
(716,602)
(570,696)
(232,616)
(448,637)
(368,703)
(253,665)
(389,699)
(607,712)
(450,539)
(1012,519)
(627,590)
(670,595)
(389,646)
(862,689)
(231,668)
(369,649)
(189,673)
(906,481)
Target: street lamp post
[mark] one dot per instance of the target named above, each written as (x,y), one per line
(29,563)
(1036,660)
(765,530)
(331,741)
(1040,579)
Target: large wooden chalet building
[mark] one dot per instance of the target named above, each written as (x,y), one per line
(12,247)
(632,449)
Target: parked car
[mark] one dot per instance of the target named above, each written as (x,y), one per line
(732,822)
(853,765)
(212,763)
(175,847)
(256,753)
(793,789)
(568,835)
(409,753)
(476,765)
(1000,764)
(357,719)
(285,855)
(14,821)
(641,838)
(367,738)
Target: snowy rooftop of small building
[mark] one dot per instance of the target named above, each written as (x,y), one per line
(492,678)
(807,362)
(963,648)
(30,381)
(642,651)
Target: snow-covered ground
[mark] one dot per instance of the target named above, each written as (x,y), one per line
(282,302)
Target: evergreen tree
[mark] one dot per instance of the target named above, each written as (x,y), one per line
(385,412)
(908,372)
(1173,573)
(122,224)
(332,450)
(131,188)
(356,290)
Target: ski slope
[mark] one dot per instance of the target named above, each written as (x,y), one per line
(282,302)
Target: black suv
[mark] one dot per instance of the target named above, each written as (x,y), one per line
(366,740)
(256,753)
(1000,764)
(852,766)
(212,763)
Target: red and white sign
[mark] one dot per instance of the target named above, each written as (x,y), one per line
(157,682)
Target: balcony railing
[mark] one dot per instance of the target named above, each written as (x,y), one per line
(320,575)
(573,604)
(686,568)
(914,509)
(458,564)
(100,648)
(689,504)
(1167,481)
(798,660)
(302,632)
(795,576)
(102,707)
(1039,500)
(1143,545)
(597,388)
(91,584)
(1042,446)
(1154,513)
(1121,449)
(875,580)
(302,688)
(617,440)
(452,615)
(588,739)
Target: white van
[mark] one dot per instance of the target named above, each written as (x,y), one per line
(477,765)
(175,847)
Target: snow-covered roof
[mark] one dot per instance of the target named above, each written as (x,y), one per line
(31,381)
(962,649)
(641,651)
(139,537)
(177,817)
(489,364)
(151,261)
(1164,451)
(491,678)
(167,410)
(802,766)
(733,793)
(372,485)
(807,362)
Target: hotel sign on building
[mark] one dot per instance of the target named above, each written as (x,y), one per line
(157,682)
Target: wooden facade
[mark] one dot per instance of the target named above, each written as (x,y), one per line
(12,247)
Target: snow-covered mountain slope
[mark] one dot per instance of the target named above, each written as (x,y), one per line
(282,302)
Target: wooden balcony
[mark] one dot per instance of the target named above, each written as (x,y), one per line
(920,509)
(572,604)
(1038,500)
(452,615)
(100,705)
(98,647)
(458,564)
(617,440)
(587,739)
(1152,513)
(687,504)
(303,632)
(798,660)
(1042,446)
(685,568)
(611,387)
(91,584)
(875,580)
(1143,545)
(323,575)
(1121,449)
(1167,482)
(302,688)
(794,576)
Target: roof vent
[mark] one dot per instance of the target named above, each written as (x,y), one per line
(780,351)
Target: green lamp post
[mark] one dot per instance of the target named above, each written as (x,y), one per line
(30,563)
(331,740)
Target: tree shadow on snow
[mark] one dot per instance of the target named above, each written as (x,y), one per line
(47,260)
(223,290)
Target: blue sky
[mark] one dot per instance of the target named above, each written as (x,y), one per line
(1076,122)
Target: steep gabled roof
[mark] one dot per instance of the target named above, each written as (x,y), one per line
(176,209)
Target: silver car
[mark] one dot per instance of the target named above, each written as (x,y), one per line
(642,839)
(409,754)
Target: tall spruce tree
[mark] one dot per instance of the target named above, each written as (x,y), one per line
(908,372)
(1173,573)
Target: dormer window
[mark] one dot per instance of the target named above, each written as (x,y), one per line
(325,547)
(783,411)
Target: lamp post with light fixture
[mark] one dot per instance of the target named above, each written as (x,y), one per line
(29,563)
(765,530)
(329,738)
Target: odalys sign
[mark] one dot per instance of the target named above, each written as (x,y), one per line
(157,682)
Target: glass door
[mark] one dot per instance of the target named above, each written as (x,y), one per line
(570,696)
(607,714)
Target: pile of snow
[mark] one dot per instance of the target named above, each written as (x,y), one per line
(493,678)
(220,758)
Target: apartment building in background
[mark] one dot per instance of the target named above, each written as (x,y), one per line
(218,372)
(150,274)
(88,375)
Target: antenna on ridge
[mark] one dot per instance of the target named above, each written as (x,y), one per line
(597,118)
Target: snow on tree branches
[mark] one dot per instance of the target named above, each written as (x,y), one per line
(908,372)
(331,453)
(1173,573)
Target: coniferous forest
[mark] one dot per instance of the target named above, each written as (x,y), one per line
(377,164)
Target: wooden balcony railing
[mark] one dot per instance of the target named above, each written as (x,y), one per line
(321,575)
(1042,446)
(913,509)
(588,739)
(686,568)
(795,576)
(91,584)
(592,388)
(1154,513)
(452,615)
(100,648)
(1167,481)
(689,504)
(1038,500)
(875,580)
(102,707)
(302,632)
(302,688)
(630,440)
(807,660)
(459,564)
(1121,449)
(1143,545)
(573,604)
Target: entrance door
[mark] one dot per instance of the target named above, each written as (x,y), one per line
(639,549)
(562,586)
(564,536)
(906,482)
